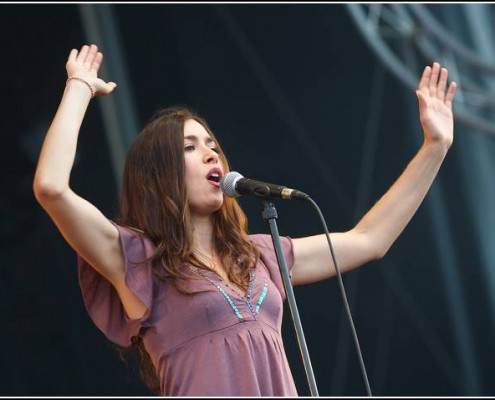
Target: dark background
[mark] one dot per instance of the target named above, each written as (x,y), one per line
(294,112)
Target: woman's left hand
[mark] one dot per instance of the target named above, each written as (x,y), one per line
(435,105)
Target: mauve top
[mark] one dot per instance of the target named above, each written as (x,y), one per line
(214,342)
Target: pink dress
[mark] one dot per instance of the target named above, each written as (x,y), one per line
(214,342)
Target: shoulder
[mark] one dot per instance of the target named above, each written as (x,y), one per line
(129,229)
(134,242)
(261,239)
(126,231)
(264,241)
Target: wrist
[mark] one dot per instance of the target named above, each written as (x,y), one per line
(83,81)
(438,148)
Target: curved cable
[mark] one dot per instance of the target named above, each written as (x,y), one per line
(344,297)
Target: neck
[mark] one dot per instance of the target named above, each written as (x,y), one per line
(203,234)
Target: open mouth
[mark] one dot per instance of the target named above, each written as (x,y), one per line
(214,175)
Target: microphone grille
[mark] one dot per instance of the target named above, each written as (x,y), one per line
(228,182)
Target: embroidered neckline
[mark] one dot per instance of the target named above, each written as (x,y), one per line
(247,298)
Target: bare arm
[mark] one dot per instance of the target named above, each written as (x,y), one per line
(375,233)
(83,226)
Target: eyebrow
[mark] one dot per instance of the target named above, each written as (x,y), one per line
(209,139)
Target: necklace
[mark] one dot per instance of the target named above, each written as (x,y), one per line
(213,266)
(209,260)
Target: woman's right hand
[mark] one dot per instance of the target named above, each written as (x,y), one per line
(85,64)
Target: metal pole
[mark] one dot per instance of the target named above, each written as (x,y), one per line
(270,214)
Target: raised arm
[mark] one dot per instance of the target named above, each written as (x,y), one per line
(83,226)
(372,237)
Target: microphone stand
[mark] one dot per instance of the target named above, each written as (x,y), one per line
(270,214)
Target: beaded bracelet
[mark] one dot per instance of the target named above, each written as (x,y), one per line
(93,93)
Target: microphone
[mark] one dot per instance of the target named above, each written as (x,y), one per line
(233,184)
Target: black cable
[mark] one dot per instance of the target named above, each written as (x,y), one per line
(344,297)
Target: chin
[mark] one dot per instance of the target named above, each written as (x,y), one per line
(209,208)
(217,206)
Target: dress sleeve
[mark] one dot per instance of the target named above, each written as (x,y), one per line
(102,300)
(269,258)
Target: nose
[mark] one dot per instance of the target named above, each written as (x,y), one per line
(211,156)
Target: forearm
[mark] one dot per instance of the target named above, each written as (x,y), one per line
(388,217)
(59,148)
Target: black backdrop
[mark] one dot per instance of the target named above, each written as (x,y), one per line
(296,113)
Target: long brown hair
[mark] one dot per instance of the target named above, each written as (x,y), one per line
(154,201)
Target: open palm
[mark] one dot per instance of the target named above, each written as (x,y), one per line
(85,64)
(435,104)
